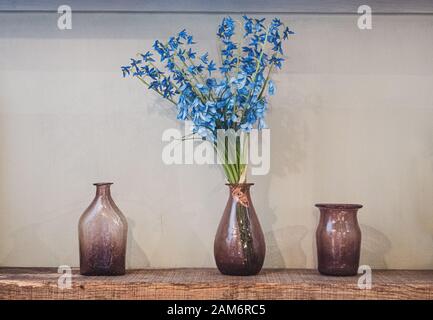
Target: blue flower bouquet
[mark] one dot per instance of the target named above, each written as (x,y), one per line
(230,96)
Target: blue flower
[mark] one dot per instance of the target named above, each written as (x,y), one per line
(158,47)
(178,77)
(138,73)
(190,40)
(211,67)
(248,26)
(204,58)
(258,25)
(277,47)
(287,32)
(237,100)
(147,57)
(126,70)
(271,88)
(211,83)
(240,80)
(227,28)
(170,65)
(183,34)
(162,51)
(182,107)
(229,48)
(248,50)
(257,39)
(135,63)
(173,43)
(192,69)
(276,23)
(181,54)
(154,85)
(276,61)
(191,54)
(202,88)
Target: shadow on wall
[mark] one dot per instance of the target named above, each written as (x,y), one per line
(135,256)
(28,239)
(288,134)
(425,214)
(374,247)
(284,247)
(316,213)
(51,243)
(430,265)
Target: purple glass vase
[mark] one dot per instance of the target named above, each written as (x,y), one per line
(102,235)
(239,246)
(338,239)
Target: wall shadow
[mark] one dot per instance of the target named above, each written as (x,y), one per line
(27,240)
(135,256)
(374,247)
(283,245)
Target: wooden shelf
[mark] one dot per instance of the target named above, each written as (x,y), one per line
(41,283)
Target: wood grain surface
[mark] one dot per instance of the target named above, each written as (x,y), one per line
(42,283)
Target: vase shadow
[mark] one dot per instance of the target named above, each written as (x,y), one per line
(24,240)
(374,247)
(284,247)
(135,256)
(50,243)
(316,213)
(431,262)
(284,244)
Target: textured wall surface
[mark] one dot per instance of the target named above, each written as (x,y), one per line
(352,121)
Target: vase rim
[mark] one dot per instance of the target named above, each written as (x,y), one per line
(240,184)
(102,184)
(338,205)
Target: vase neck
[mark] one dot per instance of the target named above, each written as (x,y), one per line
(240,192)
(103,189)
(244,187)
(339,215)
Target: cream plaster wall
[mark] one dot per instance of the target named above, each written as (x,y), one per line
(352,121)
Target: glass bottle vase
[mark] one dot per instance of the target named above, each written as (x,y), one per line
(239,246)
(102,233)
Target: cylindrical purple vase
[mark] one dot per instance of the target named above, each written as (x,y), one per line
(338,239)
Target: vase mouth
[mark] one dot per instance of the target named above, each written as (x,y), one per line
(240,184)
(338,205)
(98,184)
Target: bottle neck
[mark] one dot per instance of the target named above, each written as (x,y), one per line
(103,189)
